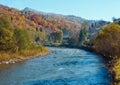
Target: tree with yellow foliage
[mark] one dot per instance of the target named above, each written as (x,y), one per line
(107,42)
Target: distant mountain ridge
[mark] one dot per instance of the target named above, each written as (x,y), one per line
(32,19)
(79,19)
(3,6)
(27,9)
(70,17)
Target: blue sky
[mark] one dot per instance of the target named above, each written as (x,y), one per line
(89,9)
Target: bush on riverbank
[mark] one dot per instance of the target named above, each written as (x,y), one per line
(107,42)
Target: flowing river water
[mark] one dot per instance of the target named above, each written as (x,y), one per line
(63,66)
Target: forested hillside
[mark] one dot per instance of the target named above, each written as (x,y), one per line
(42,26)
(25,30)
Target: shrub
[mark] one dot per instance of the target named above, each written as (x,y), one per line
(22,39)
(107,42)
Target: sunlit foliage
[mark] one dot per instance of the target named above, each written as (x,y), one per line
(107,42)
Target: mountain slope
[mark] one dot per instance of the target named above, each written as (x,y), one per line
(48,22)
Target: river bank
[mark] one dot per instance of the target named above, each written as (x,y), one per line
(8,58)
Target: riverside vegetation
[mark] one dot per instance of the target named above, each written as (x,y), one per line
(16,43)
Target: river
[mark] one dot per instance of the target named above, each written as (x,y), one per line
(63,66)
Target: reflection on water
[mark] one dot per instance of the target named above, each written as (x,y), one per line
(63,66)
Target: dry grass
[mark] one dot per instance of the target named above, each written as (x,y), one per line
(116,69)
(6,56)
